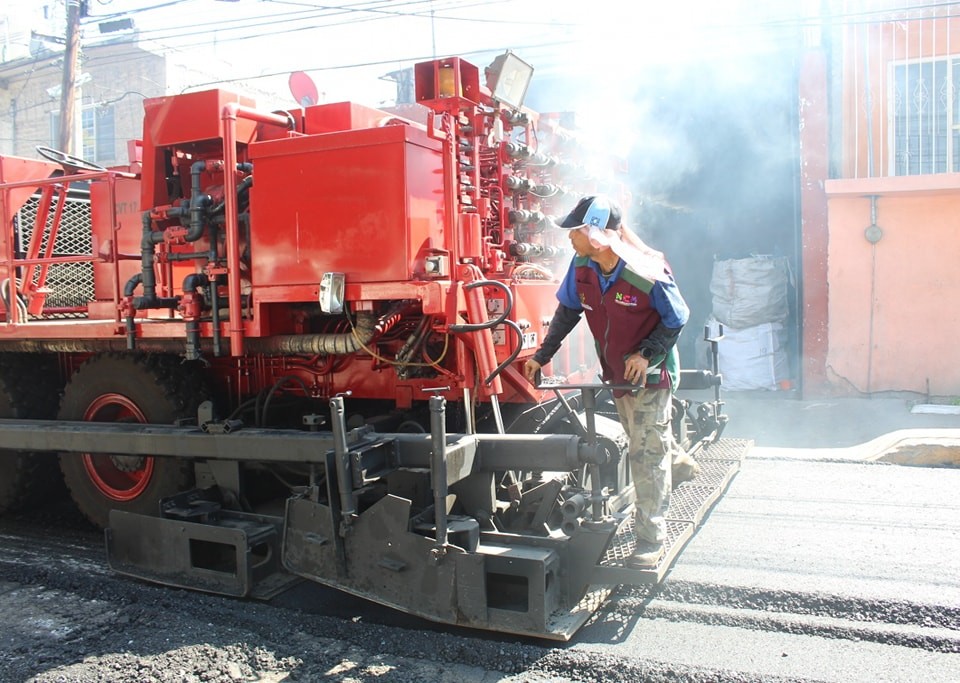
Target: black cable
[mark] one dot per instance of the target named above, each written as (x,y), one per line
(262,420)
(257,22)
(358,7)
(786,22)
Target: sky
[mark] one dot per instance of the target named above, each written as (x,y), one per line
(633,70)
(587,55)
(642,76)
(346,47)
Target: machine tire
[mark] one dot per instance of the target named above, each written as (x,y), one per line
(29,389)
(128,388)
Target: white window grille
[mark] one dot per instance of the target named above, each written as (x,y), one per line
(925,114)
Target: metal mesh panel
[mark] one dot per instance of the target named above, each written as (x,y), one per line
(713,473)
(725,449)
(70,284)
(625,542)
(689,503)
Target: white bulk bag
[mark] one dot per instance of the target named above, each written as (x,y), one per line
(750,291)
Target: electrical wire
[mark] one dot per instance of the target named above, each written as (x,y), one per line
(371,7)
(22,314)
(254,23)
(257,22)
(360,65)
(430,362)
(261,420)
(871,17)
(131,12)
(360,7)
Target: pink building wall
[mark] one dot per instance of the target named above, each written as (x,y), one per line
(893,314)
(884,318)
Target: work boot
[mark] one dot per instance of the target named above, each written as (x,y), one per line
(684,468)
(646,555)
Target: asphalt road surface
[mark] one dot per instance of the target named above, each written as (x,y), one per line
(838,571)
(805,570)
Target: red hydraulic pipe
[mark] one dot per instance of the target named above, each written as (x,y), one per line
(449,181)
(114,226)
(231,215)
(229,116)
(40,221)
(29,289)
(8,241)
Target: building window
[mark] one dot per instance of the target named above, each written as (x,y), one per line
(926,117)
(97,133)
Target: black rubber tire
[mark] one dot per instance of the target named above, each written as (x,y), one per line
(29,389)
(153,389)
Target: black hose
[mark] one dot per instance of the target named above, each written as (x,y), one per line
(493,322)
(198,205)
(513,356)
(414,340)
(198,202)
(242,187)
(213,257)
(148,239)
(262,421)
(193,281)
(132,284)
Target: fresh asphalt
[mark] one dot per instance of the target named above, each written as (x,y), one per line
(823,561)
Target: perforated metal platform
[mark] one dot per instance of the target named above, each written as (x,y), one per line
(689,503)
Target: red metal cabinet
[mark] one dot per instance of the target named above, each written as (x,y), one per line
(367,203)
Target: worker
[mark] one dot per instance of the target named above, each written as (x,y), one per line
(635,313)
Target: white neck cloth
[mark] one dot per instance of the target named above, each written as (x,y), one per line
(646,262)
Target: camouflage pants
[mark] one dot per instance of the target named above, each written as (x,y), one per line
(646,420)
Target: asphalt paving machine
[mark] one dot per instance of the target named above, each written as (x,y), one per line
(288,344)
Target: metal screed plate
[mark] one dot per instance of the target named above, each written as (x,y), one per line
(689,504)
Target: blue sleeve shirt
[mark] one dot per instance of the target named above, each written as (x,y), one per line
(664,296)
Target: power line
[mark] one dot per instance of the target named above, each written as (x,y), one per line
(329,12)
(377,7)
(127,13)
(204,34)
(258,21)
(382,62)
(256,25)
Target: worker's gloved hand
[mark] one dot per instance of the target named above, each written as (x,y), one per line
(530,370)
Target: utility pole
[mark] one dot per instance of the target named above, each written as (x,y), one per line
(67,94)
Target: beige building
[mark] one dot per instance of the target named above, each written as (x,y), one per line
(112,82)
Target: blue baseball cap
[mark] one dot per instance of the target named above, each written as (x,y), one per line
(596,211)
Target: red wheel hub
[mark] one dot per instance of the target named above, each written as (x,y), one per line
(118,477)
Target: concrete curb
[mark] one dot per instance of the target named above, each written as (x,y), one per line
(917,447)
(922,448)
